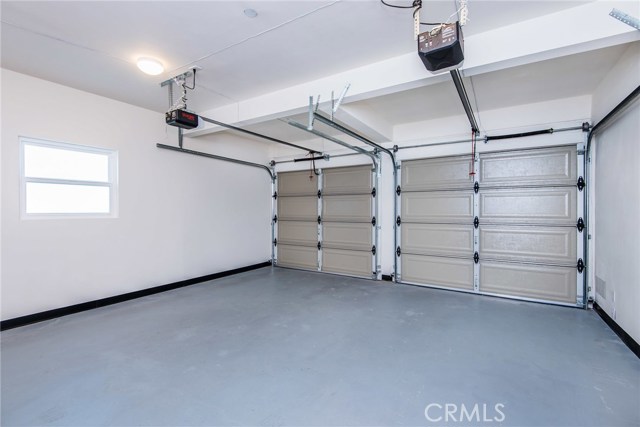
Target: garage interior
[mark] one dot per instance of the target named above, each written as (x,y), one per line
(294,220)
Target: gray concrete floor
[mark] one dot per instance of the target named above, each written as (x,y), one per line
(278,347)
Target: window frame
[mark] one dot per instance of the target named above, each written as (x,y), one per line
(112,183)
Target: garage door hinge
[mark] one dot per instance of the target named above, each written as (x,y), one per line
(275,218)
(398,190)
(476,222)
(373,249)
(373,221)
(319,194)
(398,251)
(373,192)
(398,221)
(319,219)
(275,195)
(580,265)
(580,225)
(319,245)
(476,187)
(275,242)
(580,183)
(476,257)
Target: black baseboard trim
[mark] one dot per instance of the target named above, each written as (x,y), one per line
(77,308)
(625,337)
(387,278)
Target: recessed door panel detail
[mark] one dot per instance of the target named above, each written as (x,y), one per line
(437,173)
(555,205)
(298,257)
(438,271)
(298,233)
(531,167)
(529,281)
(556,245)
(438,207)
(347,208)
(354,236)
(297,184)
(298,208)
(437,239)
(355,263)
(351,180)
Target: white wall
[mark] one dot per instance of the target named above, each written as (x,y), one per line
(623,78)
(560,113)
(615,197)
(179,217)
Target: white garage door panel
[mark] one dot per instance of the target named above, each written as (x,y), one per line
(437,271)
(352,180)
(298,208)
(529,281)
(353,208)
(531,168)
(356,263)
(439,173)
(298,233)
(555,245)
(529,206)
(297,184)
(298,257)
(354,236)
(438,207)
(437,239)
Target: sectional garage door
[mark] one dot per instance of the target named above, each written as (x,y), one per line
(508,229)
(327,223)
(437,222)
(297,220)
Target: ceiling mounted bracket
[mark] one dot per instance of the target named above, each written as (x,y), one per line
(182,76)
(627,19)
(336,105)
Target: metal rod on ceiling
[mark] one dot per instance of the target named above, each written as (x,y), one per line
(308,159)
(431,144)
(462,93)
(461,141)
(216,157)
(518,135)
(327,121)
(259,135)
(326,157)
(335,140)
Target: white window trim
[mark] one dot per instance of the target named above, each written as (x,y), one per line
(112,182)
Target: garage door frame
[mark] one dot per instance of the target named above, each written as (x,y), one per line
(581,286)
(375,209)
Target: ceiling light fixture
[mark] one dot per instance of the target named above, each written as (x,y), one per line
(250,13)
(150,66)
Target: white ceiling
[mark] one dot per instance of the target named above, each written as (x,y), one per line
(558,78)
(93,45)
(563,77)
